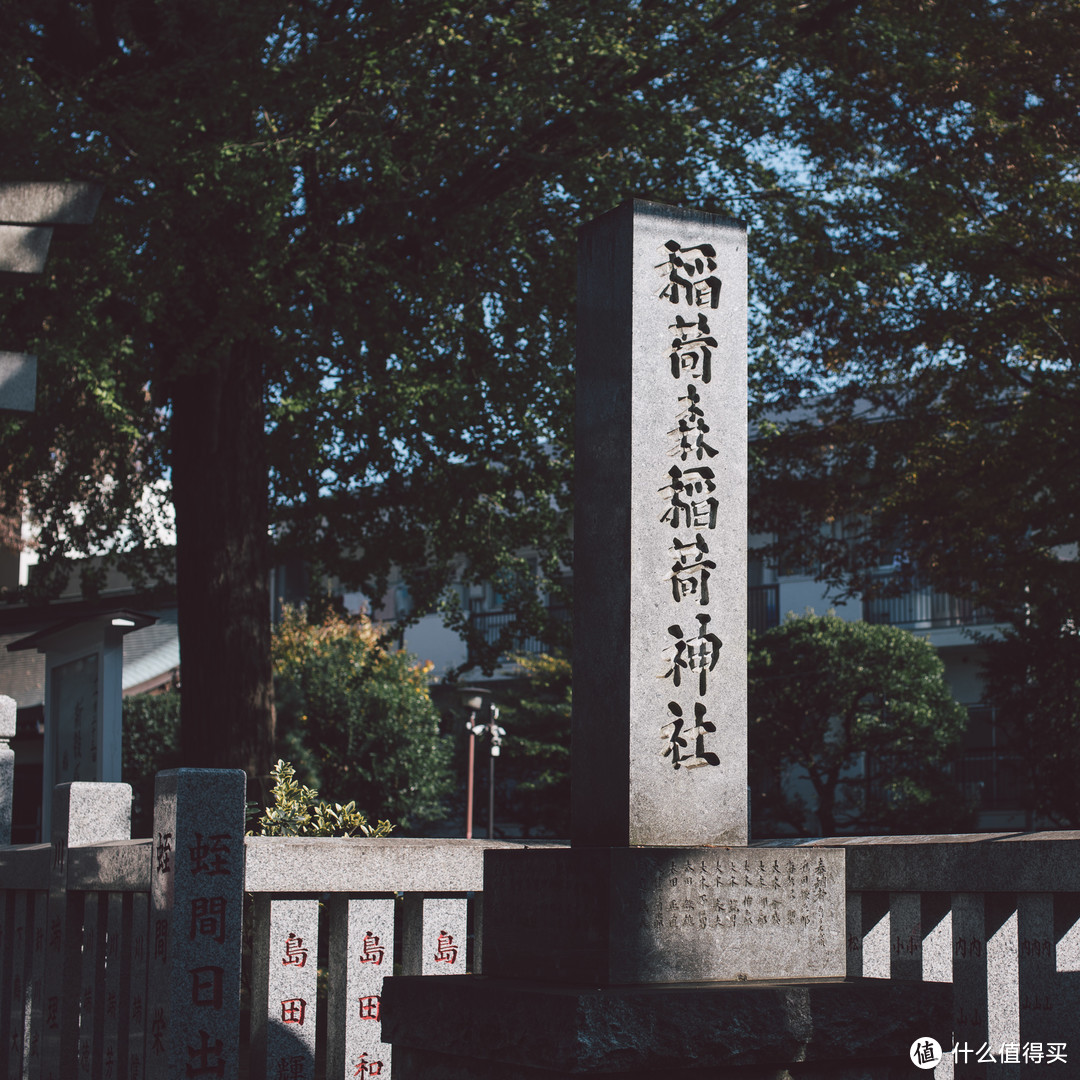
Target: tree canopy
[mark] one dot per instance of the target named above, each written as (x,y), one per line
(863,713)
(329,298)
(331,292)
(924,316)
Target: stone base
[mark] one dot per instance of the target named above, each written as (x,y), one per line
(479,1028)
(621,916)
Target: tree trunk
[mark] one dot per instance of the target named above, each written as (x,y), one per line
(220,487)
(826,808)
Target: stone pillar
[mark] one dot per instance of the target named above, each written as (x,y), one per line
(905,934)
(1002,978)
(7,765)
(361,956)
(1042,1013)
(659,723)
(969,977)
(284,987)
(81,813)
(196,898)
(17,927)
(434,933)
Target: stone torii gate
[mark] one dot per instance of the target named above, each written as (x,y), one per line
(28,214)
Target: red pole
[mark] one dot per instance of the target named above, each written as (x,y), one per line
(469,793)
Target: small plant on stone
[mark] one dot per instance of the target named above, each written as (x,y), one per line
(298,811)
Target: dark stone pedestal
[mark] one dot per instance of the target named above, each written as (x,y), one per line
(477,1028)
(631,916)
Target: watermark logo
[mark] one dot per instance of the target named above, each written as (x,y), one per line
(925,1052)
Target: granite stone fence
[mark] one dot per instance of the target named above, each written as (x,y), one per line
(122,959)
(995,914)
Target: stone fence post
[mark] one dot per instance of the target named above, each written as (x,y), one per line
(196,915)
(82,813)
(7,765)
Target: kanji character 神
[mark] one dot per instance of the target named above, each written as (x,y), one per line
(698,654)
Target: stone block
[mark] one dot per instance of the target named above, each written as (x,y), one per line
(49,203)
(91,813)
(965,862)
(285,864)
(629,915)
(24,248)
(497,1029)
(122,865)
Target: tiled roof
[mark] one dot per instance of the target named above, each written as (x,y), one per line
(150,654)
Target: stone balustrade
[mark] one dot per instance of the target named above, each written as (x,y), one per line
(995,915)
(116,955)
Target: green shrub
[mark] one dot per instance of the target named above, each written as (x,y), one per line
(151,742)
(358,720)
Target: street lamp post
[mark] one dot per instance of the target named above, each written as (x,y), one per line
(496,749)
(473,700)
(477,702)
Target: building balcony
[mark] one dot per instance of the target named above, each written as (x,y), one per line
(490,624)
(924,608)
(763,607)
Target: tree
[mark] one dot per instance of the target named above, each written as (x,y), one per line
(922,358)
(358,721)
(330,295)
(864,712)
(151,733)
(1032,677)
(536,758)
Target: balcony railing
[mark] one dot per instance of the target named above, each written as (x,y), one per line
(924,608)
(490,624)
(763,607)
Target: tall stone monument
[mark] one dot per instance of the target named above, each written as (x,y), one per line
(659,733)
(659,943)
